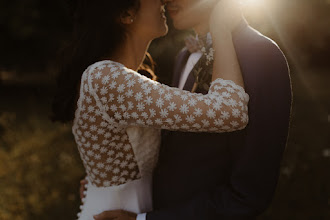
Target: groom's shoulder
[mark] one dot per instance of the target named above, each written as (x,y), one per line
(264,48)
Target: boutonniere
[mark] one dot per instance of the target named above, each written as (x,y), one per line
(203,70)
(203,74)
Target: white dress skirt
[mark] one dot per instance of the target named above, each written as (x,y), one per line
(134,196)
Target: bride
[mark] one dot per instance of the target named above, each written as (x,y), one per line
(117,113)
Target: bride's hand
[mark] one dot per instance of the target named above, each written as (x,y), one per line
(225,16)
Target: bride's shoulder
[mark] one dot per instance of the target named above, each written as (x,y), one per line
(106,68)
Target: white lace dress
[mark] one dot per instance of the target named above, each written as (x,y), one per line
(117,130)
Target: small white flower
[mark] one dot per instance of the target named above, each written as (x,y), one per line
(130,105)
(118,115)
(210,113)
(138,96)
(218,122)
(224,115)
(169,121)
(126,115)
(161,91)
(184,109)
(107,135)
(105,142)
(94,138)
(184,97)
(163,113)
(93,128)
(168,96)
(123,107)
(113,85)
(236,113)
(198,112)
(147,91)
(111,97)
(234,124)
(172,106)
(206,123)
(104,90)
(134,115)
(144,115)
(98,75)
(232,102)
(123,164)
(103,175)
(177,118)
(110,153)
(131,83)
(129,93)
(140,106)
(100,131)
(131,166)
(207,101)
(127,147)
(120,98)
(88,99)
(192,102)
(105,80)
(115,75)
(115,171)
(190,119)
(100,165)
(96,146)
(148,100)
(159,102)
(121,88)
(152,113)
(127,77)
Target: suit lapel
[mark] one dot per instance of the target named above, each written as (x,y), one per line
(179,65)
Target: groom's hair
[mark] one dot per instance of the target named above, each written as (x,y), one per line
(97,33)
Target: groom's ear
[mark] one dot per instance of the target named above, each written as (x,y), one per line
(127,17)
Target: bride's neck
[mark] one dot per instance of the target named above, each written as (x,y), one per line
(132,53)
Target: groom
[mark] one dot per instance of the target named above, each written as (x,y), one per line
(226,176)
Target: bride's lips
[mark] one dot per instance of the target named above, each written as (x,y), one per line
(172,9)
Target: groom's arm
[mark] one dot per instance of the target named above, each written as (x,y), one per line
(256,164)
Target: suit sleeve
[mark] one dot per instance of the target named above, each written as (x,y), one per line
(256,163)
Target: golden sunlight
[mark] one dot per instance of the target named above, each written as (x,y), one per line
(252,3)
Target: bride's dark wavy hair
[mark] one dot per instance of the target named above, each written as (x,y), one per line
(97,32)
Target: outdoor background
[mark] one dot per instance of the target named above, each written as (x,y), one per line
(39,164)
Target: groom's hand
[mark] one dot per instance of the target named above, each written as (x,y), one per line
(116,214)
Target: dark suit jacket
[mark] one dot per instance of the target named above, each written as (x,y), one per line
(230,175)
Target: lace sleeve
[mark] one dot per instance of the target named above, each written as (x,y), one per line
(127,98)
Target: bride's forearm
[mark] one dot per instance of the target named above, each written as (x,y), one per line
(226,64)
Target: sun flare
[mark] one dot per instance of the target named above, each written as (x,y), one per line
(252,3)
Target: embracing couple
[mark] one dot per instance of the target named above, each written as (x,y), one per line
(209,147)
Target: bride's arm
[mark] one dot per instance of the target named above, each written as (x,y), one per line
(224,19)
(127,98)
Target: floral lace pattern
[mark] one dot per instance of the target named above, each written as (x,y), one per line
(113,97)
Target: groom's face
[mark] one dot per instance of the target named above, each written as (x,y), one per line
(187,14)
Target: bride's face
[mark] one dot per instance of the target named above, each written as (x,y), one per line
(187,14)
(150,20)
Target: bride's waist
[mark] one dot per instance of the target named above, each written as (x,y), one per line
(134,196)
(141,183)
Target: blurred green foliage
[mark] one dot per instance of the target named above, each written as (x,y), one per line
(39,170)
